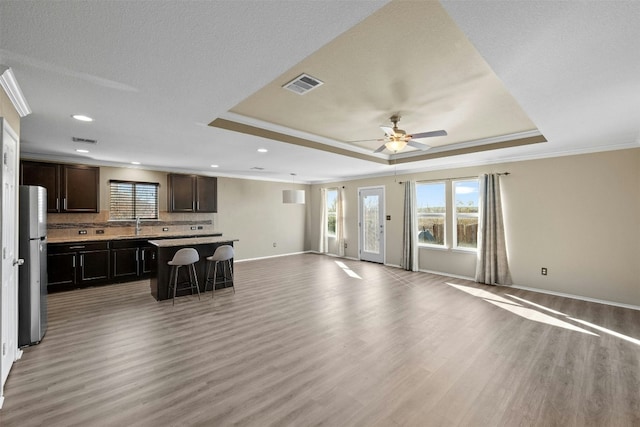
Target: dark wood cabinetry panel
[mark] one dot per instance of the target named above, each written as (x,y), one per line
(148,260)
(81,264)
(61,268)
(207,192)
(182,193)
(125,263)
(80,188)
(192,193)
(70,188)
(94,266)
(45,175)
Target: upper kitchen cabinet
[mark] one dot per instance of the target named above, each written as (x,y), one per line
(80,188)
(192,193)
(45,175)
(70,188)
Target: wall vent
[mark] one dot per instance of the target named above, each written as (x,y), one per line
(257,168)
(303,84)
(85,140)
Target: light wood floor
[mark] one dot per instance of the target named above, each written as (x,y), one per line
(303,343)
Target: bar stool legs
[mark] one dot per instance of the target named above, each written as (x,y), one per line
(186,257)
(222,253)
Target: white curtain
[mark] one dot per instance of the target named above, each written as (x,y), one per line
(323,244)
(492,266)
(409,235)
(340,222)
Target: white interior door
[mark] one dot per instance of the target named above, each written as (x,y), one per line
(372,225)
(9,273)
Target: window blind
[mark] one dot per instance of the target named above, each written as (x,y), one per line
(131,200)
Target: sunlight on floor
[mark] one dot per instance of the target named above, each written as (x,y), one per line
(607,331)
(518,309)
(347,270)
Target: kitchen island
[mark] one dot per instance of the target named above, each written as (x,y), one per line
(167,248)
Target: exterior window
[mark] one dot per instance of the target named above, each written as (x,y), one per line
(465,221)
(332,201)
(431,211)
(131,200)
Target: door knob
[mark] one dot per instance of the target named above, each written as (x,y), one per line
(18,261)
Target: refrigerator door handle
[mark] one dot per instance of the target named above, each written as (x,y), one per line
(18,261)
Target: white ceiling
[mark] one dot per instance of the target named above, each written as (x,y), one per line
(154,74)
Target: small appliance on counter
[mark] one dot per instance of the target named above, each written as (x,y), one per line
(32,285)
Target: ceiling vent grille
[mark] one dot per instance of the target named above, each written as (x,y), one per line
(303,84)
(257,168)
(85,140)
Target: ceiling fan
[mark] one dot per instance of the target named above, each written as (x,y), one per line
(396,139)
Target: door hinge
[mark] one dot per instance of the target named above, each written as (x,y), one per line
(4,253)
(4,158)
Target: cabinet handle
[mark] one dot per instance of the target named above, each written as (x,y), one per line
(64,203)
(76,247)
(198,205)
(143,255)
(57,203)
(73,262)
(81,260)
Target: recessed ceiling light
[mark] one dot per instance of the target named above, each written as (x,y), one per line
(82,118)
(262,150)
(135,163)
(214,166)
(80,150)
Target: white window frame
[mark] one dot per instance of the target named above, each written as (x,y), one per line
(442,215)
(456,215)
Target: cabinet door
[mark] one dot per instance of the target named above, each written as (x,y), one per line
(94,266)
(148,261)
(45,175)
(207,194)
(80,188)
(124,263)
(61,268)
(182,193)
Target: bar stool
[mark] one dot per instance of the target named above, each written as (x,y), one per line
(222,253)
(185,257)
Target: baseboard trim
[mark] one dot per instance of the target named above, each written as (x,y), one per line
(271,256)
(572,296)
(440,273)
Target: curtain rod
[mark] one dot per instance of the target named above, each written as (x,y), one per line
(455,178)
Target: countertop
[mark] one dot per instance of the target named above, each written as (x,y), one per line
(168,243)
(103,237)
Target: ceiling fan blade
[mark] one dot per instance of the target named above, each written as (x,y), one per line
(419,145)
(367,140)
(429,134)
(382,147)
(388,130)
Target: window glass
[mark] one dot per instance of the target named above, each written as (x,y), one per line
(431,210)
(465,199)
(332,200)
(131,200)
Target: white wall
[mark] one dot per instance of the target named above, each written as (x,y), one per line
(578,216)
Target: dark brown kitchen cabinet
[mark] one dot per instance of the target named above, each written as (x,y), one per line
(192,193)
(45,175)
(132,259)
(70,188)
(78,264)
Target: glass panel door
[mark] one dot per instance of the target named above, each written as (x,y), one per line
(372,224)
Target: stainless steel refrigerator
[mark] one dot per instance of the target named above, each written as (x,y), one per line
(32,288)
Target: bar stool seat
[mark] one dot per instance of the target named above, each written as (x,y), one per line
(185,257)
(222,253)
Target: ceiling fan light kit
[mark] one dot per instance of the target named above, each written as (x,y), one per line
(397,139)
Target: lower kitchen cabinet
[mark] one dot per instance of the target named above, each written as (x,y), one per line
(132,259)
(75,265)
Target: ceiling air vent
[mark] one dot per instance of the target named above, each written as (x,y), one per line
(85,140)
(302,84)
(257,168)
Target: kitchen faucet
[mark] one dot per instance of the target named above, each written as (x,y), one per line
(138,229)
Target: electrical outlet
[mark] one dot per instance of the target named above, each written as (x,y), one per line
(82,231)
(99,231)
(165,228)
(274,244)
(345,245)
(543,271)
(193,227)
(200,227)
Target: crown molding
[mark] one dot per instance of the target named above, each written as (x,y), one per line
(12,88)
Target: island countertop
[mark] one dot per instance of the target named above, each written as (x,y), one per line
(169,243)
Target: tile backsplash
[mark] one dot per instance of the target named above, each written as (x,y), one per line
(61,226)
